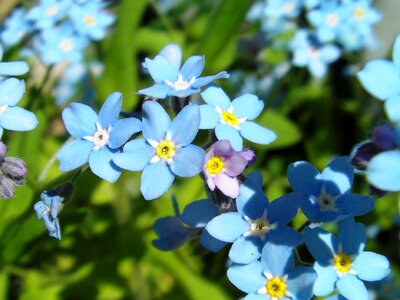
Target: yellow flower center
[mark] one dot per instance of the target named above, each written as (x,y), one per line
(230,118)
(342,262)
(215,165)
(359,13)
(276,287)
(89,20)
(165,150)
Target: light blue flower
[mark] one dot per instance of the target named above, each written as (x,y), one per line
(12,68)
(97,137)
(256,222)
(13,117)
(231,120)
(383,172)
(309,52)
(48,12)
(381,78)
(47,209)
(326,195)
(282,8)
(171,80)
(341,262)
(275,277)
(165,150)
(91,19)
(16,26)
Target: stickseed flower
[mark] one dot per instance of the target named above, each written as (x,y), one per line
(341,262)
(223,164)
(97,137)
(165,150)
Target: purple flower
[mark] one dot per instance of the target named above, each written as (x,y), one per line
(222,166)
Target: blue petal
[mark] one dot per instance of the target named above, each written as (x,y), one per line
(252,201)
(277,259)
(185,125)
(382,173)
(227,132)
(285,235)
(352,288)
(172,233)
(13,68)
(245,250)
(355,204)
(192,67)
(256,133)
(123,130)
(159,90)
(247,106)
(156,180)
(201,81)
(326,279)
(227,227)
(11,91)
(101,164)
(214,95)
(208,116)
(247,278)
(351,236)
(183,93)
(304,178)
(188,161)
(300,282)
(392,108)
(310,208)
(161,69)
(259,297)
(74,154)
(18,119)
(284,208)
(338,176)
(321,244)
(211,243)
(197,214)
(371,266)
(155,122)
(109,112)
(135,156)
(80,120)
(381,78)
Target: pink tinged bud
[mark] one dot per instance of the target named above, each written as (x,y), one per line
(14,167)
(6,188)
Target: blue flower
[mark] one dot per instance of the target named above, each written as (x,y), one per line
(165,150)
(381,78)
(282,8)
(275,277)
(91,19)
(309,52)
(12,68)
(16,26)
(48,12)
(231,119)
(171,80)
(326,195)
(13,117)
(342,263)
(171,232)
(47,209)
(255,222)
(97,137)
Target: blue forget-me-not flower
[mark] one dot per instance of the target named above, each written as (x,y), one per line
(97,137)
(341,261)
(165,150)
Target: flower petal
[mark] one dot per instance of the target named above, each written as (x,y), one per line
(381,172)
(301,281)
(210,242)
(11,91)
(13,68)
(227,227)
(321,244)
(80,120)
(192,67)
(74,154)
(229,186)
(352,288)
(155,122)
(371,266)
(161,69)
(325,282)
(245,250)
(256,133)
(355,204)
(277,259)
(123,130)
(101,164)
(109,112)
(351,236)
(235,164)
(392,108)
(156,180)
(185,125)
(188,161)
(227,132)
(197,214)
(247,106)
(201,81)
(304,178)
(18,119)
(214,95)
(135,156)
(208,116)
(247,278)
(338,176)
(158,90)
(284,209)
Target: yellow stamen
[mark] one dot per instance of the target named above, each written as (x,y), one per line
(89,20)
(359,13)
(165,150)
(215,165)
(342,262)
(276,287)
(230,118)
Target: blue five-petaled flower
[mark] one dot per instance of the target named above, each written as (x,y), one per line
(231,119)
(97,137)
(165,150)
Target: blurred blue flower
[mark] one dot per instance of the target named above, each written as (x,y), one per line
(326,195)
(47,209)
(16,26)
(231,119)
(275,277)
(282,8)
(97,137)
(48,12)
(256,222)
(165,150)
(12,68)
(341,262)
(171,80)
(309,52)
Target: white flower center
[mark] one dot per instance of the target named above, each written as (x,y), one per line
(259,227)
(288,8)
(66,44)
(326,201)
(3,108)
(100,138)
(180,84)
(313,52)
(229,118)
(52,10)
(163,150)
(332,20)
